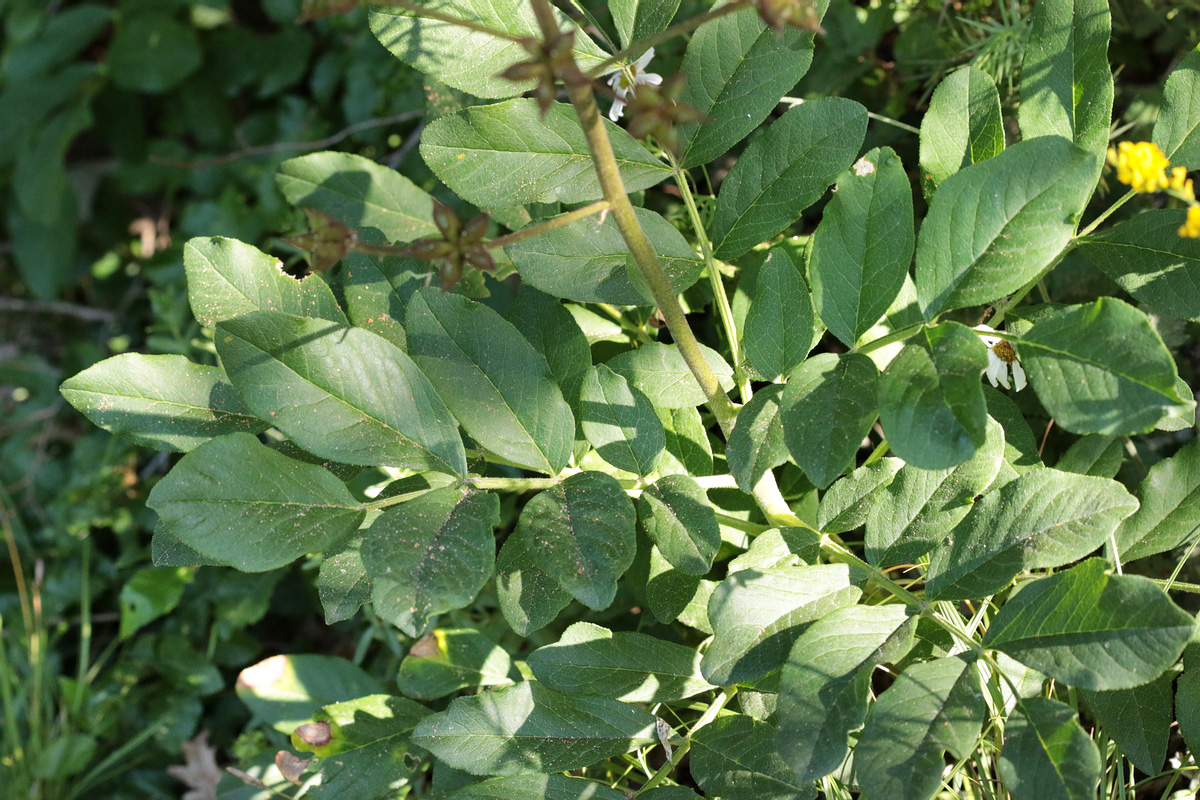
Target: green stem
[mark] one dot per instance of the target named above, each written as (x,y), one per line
(894,336)
(669,766)
(745,526)
(395,500)
(1168,585)
(549,225)
(1106,214)
(642,45)
(639,245)
(838,552)
(450,19)
(904,126)
(714,277)
(515,484)
(85,629)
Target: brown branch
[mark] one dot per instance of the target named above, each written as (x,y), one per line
(62,309)
(281,147)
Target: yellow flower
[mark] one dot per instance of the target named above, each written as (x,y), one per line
(1191,228)
(1142,166)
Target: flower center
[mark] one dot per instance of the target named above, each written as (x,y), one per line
(1004,352)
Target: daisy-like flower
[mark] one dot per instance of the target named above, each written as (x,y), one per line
(627,79)
(1001,356)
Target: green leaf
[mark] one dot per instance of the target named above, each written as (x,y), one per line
(547,787)
(1043,519)
(669,591)
(778,547)
(631,667)
(286,691)
(931,402)
(493,381)
(1177,130)
(366,756)
(915,510)
(779,329)
(676,515)
(583,531)
(1093,455)
(620,422)
(1169,513)
(825,682)
(226,279)
(846,505)
(370,740)
(1138,720)
(963,126)
(164,402)
(688,450)
(737,70)
(757,615)
(1187,695)
(786,169)
(447,660)
(343,584)
(359,193)
(149,594)
(735,758)
(933,707)
(992,227)
(529,597)
(530,728)
(238,501)
(588,261)
(839,392)
(660,372)
(1150,260)
(476,151)
(1047,755)
(151,52)
(756,443)
(637,19)
(1066,84)
(1101,368)
(1092,630)
(341,393)
(431,555)
(552,331)
(862,248)
(377,291)
(437,48)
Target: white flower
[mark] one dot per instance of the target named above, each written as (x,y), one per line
(629,77)
(1001,356)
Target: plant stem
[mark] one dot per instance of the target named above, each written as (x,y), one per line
(549,225)
(639,245)
(714,277)
(642,45)
(515,484)
(450,19)
(669,766)
(894,336)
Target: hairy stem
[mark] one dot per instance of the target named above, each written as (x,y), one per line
(714,277)
(549,225)
(639,245)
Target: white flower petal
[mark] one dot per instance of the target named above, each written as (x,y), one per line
(615,80)
(617,110)
(652,78)
(641,63)
(1018,375)
(990,341)
(997,370)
